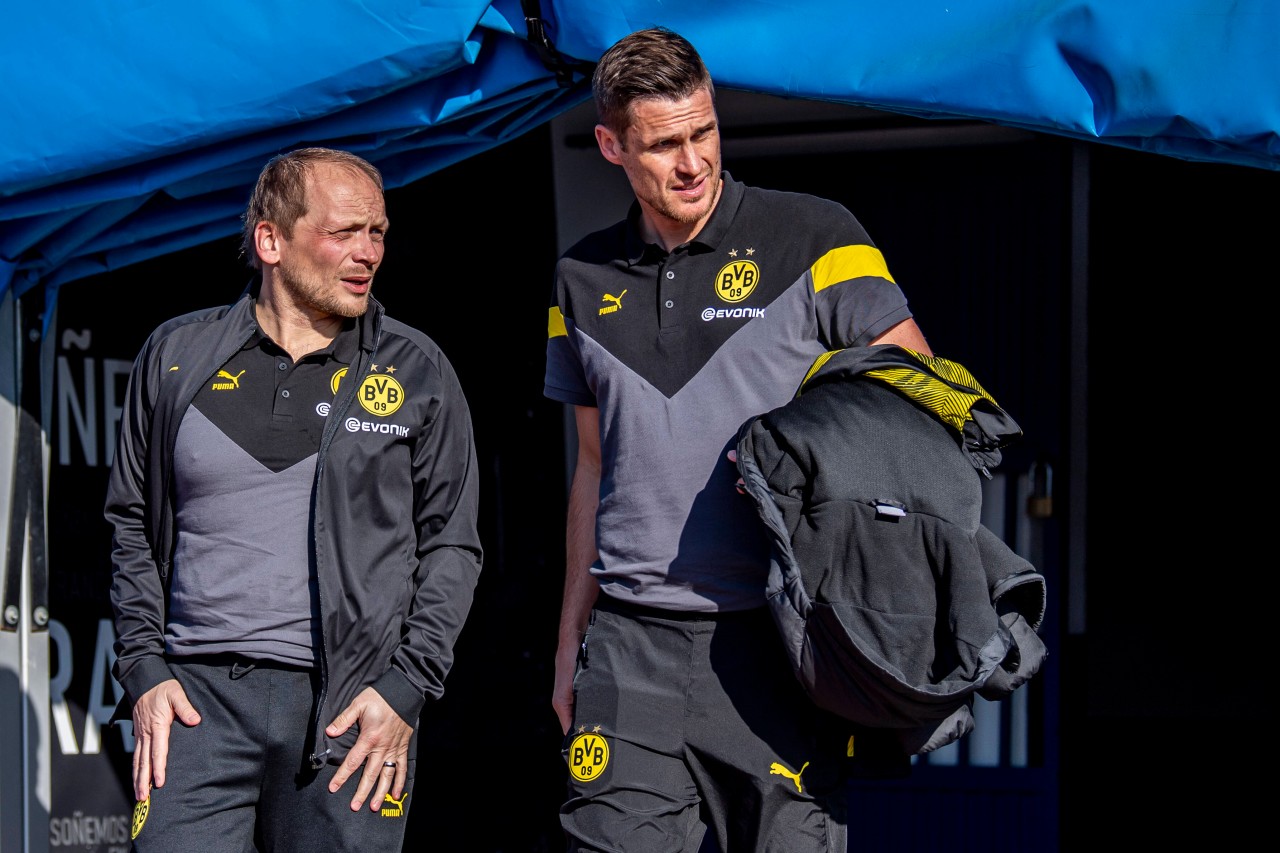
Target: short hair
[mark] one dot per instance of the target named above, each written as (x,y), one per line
(280,196)
(650,63)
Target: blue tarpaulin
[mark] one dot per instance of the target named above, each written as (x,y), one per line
(133,128)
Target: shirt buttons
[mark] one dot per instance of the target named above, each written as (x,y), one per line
(284,393)
(283,366)
(670,275)
(670,304)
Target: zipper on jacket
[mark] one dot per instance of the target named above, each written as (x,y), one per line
(336,412)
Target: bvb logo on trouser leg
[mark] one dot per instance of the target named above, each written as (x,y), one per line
(588,756)
(140,811)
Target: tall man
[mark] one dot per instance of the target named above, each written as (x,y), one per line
(295,547)
(705,306)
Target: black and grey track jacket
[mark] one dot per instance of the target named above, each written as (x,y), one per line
(394,513)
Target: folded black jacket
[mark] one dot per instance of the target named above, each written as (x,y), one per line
(896,605)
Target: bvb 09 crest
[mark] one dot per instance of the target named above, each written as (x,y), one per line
(140,811)
(588,756)
(379,394)
(736,280)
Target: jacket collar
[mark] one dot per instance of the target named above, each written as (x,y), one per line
(368,325)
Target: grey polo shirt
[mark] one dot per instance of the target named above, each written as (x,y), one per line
(244,465)
(678,350)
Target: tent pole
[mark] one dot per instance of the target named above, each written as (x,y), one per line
(25,785)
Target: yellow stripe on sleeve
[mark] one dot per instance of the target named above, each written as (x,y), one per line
(555,323)
(848,262)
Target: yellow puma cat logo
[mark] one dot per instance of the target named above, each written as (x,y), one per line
(776,769)
(396,809)
(232,383)
(616,300)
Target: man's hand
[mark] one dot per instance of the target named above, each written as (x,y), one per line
(384,737)
(153,716)
(739,485)
(562,692)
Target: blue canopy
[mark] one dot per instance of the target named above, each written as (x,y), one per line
(133,128)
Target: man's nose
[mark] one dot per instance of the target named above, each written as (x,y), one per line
(367,250)
(690,161)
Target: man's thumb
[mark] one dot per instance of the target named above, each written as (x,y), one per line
(185,711)
(340,723)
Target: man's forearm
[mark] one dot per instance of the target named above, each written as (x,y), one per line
(580,587)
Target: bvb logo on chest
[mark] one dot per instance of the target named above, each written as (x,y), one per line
(379,394)
(736,280)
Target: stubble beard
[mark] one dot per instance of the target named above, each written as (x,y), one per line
(686,214)
(306,291)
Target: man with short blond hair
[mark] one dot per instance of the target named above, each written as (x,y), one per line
(295,549)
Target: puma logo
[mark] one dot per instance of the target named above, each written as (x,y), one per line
(616,300)
(776,769)
(232,383)
(396,809)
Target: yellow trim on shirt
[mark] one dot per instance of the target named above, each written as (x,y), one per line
(555,323)
(848,262)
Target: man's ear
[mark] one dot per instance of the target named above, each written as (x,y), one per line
(266,241)
(610,144)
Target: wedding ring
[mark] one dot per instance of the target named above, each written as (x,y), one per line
(388,764)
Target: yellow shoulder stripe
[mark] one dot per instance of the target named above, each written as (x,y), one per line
(848,262)
(555,323)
